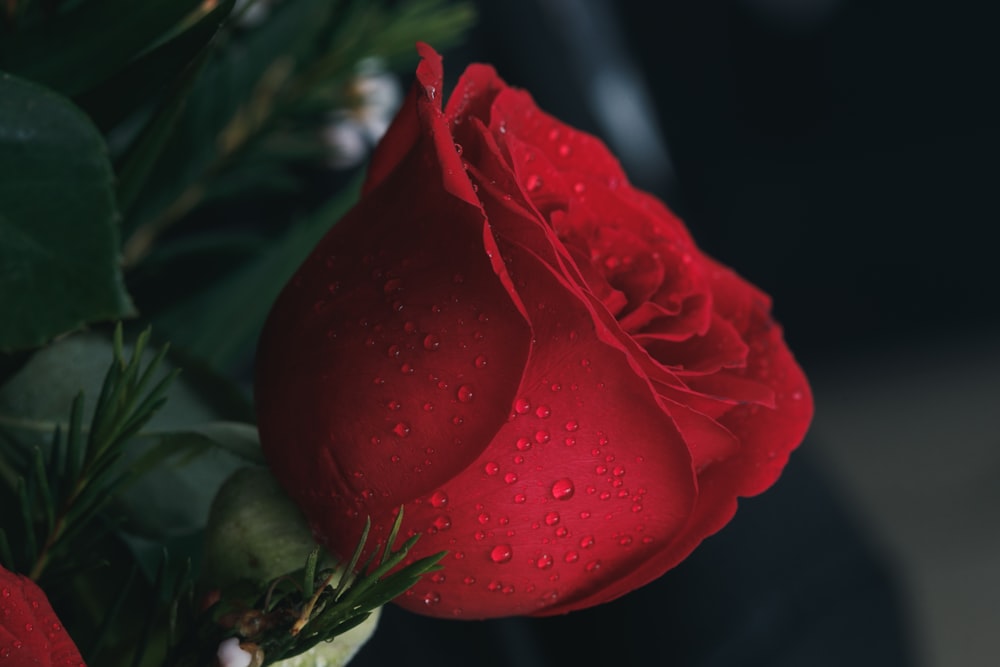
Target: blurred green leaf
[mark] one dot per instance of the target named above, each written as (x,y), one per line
(137,84)
(58,222)
(84,45)
(231,95)
(220,324)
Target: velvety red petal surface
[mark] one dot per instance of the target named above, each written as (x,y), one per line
(30,632)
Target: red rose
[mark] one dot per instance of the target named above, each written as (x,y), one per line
(529,354)
(30,632)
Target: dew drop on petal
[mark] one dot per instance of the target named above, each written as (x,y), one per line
(521,406)
(563,489)
(480,361)
(501,553)
(491,468)
(402,429)
(439,499)
(464,394)
(431,342)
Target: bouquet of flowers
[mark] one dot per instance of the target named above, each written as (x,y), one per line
(505,382)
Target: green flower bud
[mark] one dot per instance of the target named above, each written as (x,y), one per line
(254,532)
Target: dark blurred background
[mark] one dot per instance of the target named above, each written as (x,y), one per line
(841,154)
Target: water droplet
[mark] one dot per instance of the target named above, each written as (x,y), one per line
(501,553)
(491,468)
(565,150)
(468,581)
(409,327)
(569,441)
(457,420)
(572,425)
(510,478)
(533,183)
(393,351)
(562,489)
(541,437)
(562,531)
(592,566)
(518,459)
(618,471)
(521,406)
(428,407)
(585,363)
(571,557)
(552,518)
(625,540)
(431,342)
(431,599)
(480,361)
(520,498)
(442,522)
(28,627)
(394,405)
(378,381)
(483,518)
(544,562)
(601,469)
(543,412)
(407,369)
(402,429)
(636,508)
(392,286)
(464,394)
(395,458)
(605,495)
(439,499)
(586,541)
(523,444)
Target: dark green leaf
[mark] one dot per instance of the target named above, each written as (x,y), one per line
(58,231)
(141,158)
(79,48)
(137,84)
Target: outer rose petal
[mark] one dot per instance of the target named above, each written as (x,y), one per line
(30,632)
(418,345)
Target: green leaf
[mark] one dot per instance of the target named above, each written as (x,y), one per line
(202,451)
(230,81)
(221,324)
(81,47)
(135,85)
(58,222)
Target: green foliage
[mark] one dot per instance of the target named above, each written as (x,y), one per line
(297,611)
(58,222)
(62,491)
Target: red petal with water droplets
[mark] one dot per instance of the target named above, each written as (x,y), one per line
(30,631)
